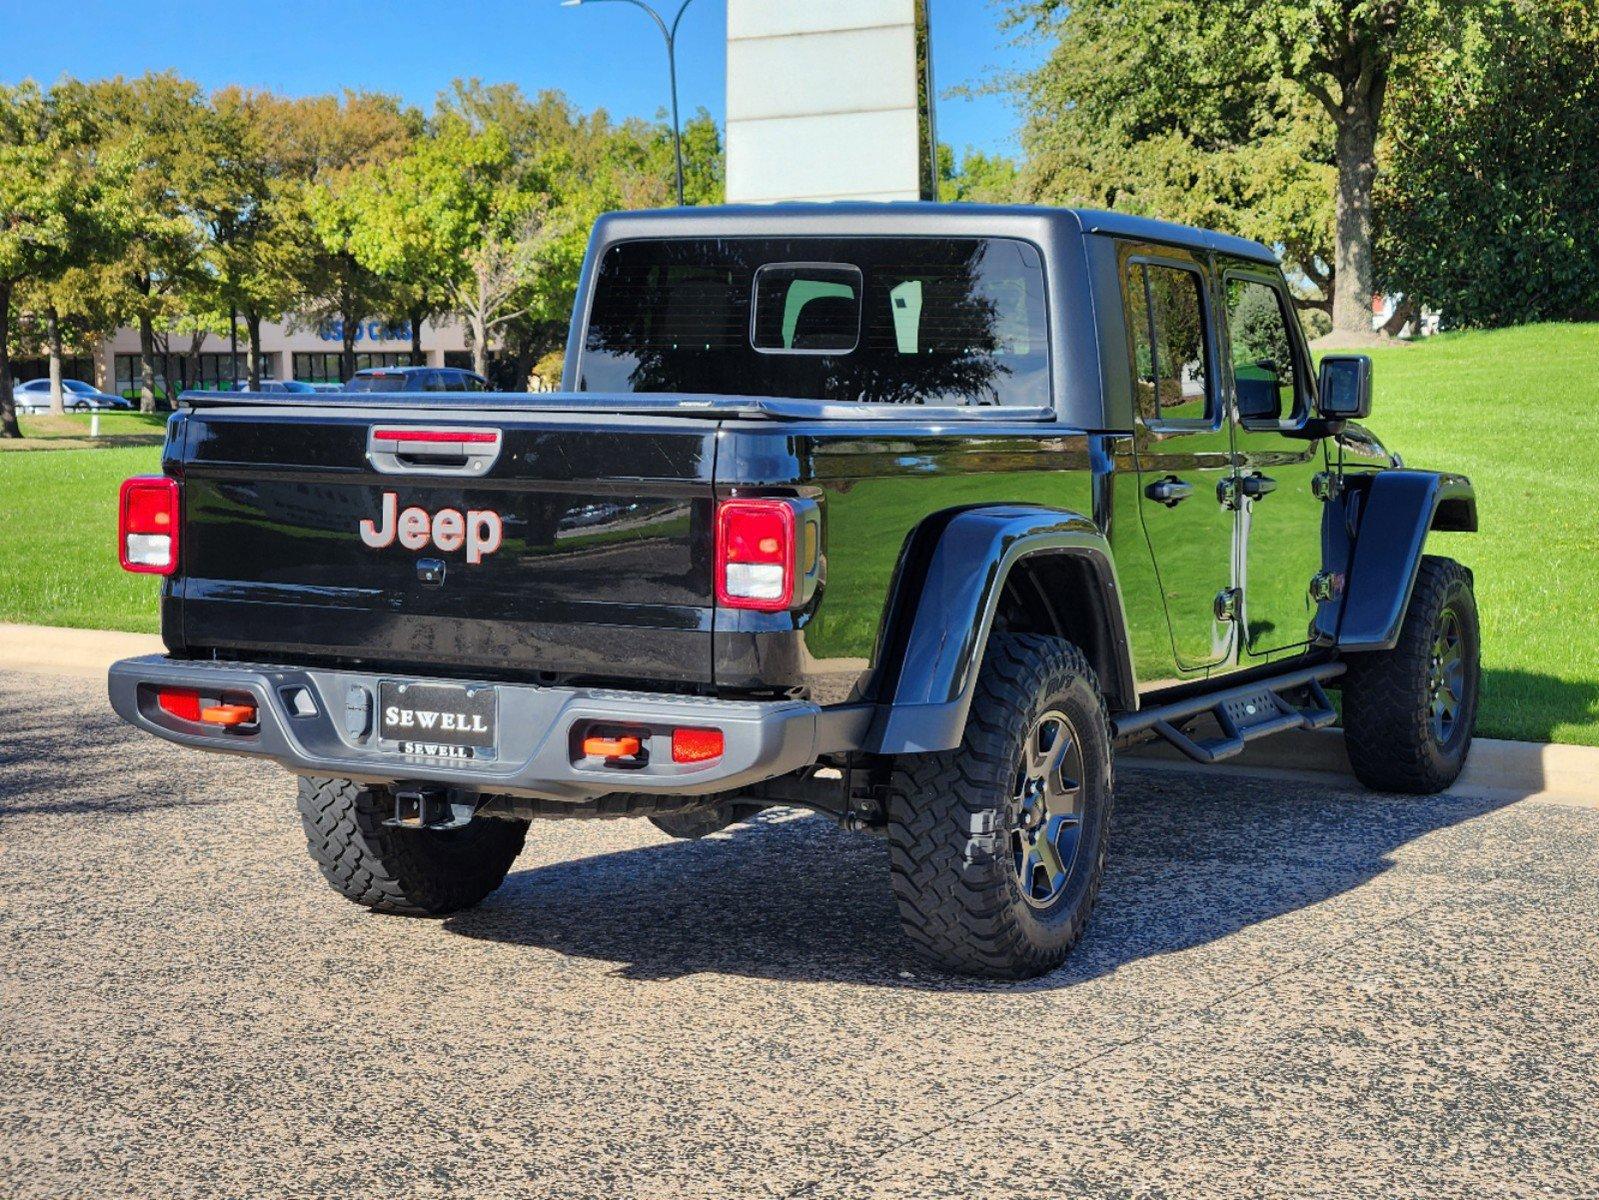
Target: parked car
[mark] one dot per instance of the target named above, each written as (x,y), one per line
(77,396)
(416,379)
(270,386)
(908,514)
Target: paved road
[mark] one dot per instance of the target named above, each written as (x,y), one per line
(1287,992)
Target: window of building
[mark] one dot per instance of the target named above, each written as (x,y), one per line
(168,376)
(325,366)
(1265,375)
(177,373)
(1171,359)
(75,367)
(220,372)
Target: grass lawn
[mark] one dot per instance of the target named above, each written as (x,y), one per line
(41,431)
(1517,410)
(58,540)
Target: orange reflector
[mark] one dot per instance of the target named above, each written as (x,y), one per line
(228,714)
(696,745)
(179,702)
(610,747)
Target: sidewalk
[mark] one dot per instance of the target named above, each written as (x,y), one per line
(85,653)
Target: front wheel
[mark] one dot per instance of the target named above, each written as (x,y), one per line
(1409,712)
(998,847)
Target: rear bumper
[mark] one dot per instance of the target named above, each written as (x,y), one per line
(763,739)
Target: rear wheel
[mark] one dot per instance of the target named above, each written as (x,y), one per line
(1409,712)
(388,868)
(998,846)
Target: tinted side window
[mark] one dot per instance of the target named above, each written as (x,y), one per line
(1166,318)
(1265,375)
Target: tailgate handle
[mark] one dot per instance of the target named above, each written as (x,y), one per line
(433,449)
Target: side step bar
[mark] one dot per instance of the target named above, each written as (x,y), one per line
(1245,713)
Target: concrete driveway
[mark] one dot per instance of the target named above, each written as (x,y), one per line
(1287,991)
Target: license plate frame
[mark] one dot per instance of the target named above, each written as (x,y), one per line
(439,720)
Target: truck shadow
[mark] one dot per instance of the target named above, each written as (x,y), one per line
(790,897)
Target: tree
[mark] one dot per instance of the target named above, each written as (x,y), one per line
(332,144)
(256,225)
(172,145)
(54,210)
(1485,206)
(453,214)
(979,178)
(1342,53)
(1259,115)
(76,309)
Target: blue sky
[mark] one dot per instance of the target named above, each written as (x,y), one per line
(603,55)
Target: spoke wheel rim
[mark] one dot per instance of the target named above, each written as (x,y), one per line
(1048,801)
(1446,682)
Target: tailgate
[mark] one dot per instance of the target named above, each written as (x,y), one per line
(571,544)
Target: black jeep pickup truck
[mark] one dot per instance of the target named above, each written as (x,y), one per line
(908,514)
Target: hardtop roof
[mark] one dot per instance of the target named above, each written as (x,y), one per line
(912,219)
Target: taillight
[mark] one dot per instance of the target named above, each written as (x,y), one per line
(755,554)
(147,525)
(696,745)
(183,703)
(186,704)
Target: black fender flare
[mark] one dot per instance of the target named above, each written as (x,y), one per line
(946,594)
(1397,509)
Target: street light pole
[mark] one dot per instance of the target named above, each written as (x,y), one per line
(669,32)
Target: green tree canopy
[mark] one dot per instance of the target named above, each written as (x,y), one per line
(1256,116)
(1485,205)
(454,216)
(57,207)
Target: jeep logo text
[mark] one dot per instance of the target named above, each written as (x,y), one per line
(480,530)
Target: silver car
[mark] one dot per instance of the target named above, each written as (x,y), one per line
(34,397)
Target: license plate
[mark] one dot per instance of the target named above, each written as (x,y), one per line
(437,720)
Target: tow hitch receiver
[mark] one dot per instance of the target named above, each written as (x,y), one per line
(428,808)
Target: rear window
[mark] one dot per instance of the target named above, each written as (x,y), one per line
(376,383)
(946,321)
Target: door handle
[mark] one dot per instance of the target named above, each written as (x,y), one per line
(1170,491)
(1256,486)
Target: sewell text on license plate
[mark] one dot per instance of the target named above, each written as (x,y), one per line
(437,720)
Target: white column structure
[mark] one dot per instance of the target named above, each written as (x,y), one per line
(824,100)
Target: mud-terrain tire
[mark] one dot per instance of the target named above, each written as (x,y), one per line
(1409,713)
(414,872)
(962,822)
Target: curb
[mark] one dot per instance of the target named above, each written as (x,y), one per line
(1497,769)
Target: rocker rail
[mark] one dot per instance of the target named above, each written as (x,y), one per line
(1229,706)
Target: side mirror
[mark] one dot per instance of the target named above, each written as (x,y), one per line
(1344,387)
